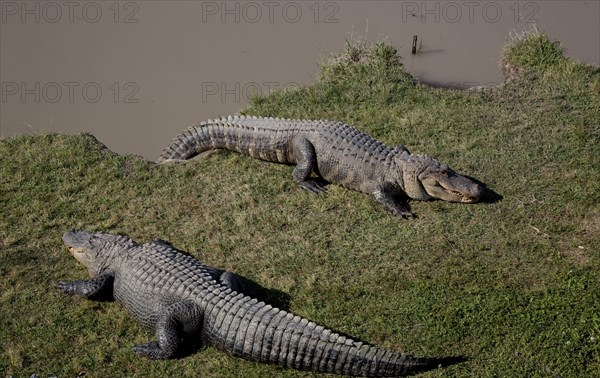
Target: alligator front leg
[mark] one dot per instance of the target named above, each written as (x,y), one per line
(97,288)
(178,320)
(387,195)
(306,164)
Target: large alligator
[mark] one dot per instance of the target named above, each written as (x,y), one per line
(336,152)
(180,298)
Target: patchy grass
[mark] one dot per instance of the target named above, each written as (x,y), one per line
(512,284)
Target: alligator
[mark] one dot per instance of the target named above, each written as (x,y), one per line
(181,299)
(335,153)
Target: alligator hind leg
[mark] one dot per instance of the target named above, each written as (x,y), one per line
(232,281)
(179,319)
(399,149)
(306,164)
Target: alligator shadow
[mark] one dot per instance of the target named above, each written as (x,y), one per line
(489,196)
(439,362)
(273,297)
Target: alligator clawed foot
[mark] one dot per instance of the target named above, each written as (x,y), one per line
(65,287)
(313,186)
(403,213)
(151,350)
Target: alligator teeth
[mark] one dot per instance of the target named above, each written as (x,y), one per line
(455,193)
(462,197)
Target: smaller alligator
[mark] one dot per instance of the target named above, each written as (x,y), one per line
(180,298)
(336,153)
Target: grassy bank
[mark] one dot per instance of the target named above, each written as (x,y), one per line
(513,284)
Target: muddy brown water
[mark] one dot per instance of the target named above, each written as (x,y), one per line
(136,73)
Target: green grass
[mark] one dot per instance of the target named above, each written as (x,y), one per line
(539,53)
(512,284)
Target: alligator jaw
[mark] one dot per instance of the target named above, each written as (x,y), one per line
(75,251)
(452,187)
(460,197)
(74,241)
(80,255)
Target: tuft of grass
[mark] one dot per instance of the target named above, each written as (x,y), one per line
(511,284)
(536,52)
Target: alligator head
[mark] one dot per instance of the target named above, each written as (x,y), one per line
(93,250)
(425,178)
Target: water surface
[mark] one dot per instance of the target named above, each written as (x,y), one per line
(136,73)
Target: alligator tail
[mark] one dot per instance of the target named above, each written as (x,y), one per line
(259,332)
(231,133)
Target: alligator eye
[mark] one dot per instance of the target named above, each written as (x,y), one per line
(444,169)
